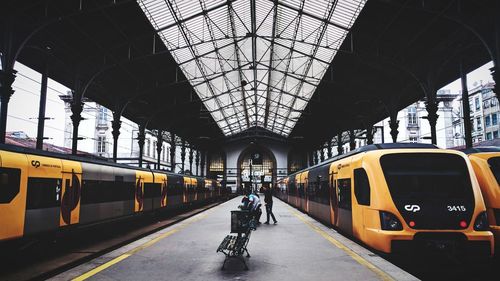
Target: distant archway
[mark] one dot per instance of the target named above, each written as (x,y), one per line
(258,161)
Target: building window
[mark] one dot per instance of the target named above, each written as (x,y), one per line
(413,139)
(479,125)
(476,101)
(487,121)
(148,146)
(472,125)
(101,144)
(486,103)
(154,149)
(471,105)
(494,119)
(488,136)
(495,134)
(102,117)
(216,163)
(412,116)
(163,153)
(494,101)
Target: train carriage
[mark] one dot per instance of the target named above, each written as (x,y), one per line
(399,198)
(486,164)
(44,192)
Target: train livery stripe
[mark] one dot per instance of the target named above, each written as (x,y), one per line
(381,274)
(136,249)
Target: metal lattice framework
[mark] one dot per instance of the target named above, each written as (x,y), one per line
(253,63)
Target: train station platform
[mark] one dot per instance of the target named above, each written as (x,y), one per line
(297,248)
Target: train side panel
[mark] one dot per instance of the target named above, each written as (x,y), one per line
(107,192)
(70,192)
(483,163)
(142,178)
(13,182)
(175,191)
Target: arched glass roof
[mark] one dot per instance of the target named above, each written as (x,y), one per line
(257,62)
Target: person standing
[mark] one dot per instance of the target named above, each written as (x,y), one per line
(268,199)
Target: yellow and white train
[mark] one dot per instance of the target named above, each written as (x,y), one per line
(397,198)
(44,192)
(486,164)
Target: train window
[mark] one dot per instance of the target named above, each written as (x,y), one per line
(324,192)
(43,193)
(495,167)
(312,189)
(292,189)
(174,188)
(152,190)
(94,191)
(301,190)
(10,180)
(361,187)
(344,196)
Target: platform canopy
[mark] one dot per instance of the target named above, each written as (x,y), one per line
(253,63)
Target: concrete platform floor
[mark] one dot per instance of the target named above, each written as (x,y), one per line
(297,248)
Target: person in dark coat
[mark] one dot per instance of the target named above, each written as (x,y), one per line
(268,199)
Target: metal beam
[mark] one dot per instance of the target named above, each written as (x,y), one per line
(301,11)
(192,50)
(254,51)
(203,12)
(219,58)
(291,48)
(238,60)
(319,39)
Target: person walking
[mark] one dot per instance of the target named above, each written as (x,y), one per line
(268,199)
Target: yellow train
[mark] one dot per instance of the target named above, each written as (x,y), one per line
(43,192)
(486,164)
(397,198)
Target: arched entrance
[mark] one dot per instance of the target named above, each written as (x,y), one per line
(256,168)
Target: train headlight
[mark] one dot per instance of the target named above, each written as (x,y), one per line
(389,221)
(481,223)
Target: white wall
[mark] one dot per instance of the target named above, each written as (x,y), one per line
(234,150)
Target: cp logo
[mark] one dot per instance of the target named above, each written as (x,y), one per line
(412,208)
(35,164)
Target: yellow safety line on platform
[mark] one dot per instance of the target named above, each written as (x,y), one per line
(383,276)
(134,250)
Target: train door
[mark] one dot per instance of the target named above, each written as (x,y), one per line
(185,192)
(344,197)
(140,178)
(13,181)
(305,200)
(164,190)
(43,196)
(333,195)
(70,193)
(194,185)
(151,191)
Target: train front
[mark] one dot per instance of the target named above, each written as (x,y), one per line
(429,200)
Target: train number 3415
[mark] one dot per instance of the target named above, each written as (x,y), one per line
(457,208)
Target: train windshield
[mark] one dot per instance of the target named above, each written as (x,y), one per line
(495,167)
(433,189)
(426,174)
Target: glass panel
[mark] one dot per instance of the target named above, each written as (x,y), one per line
(215,51)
